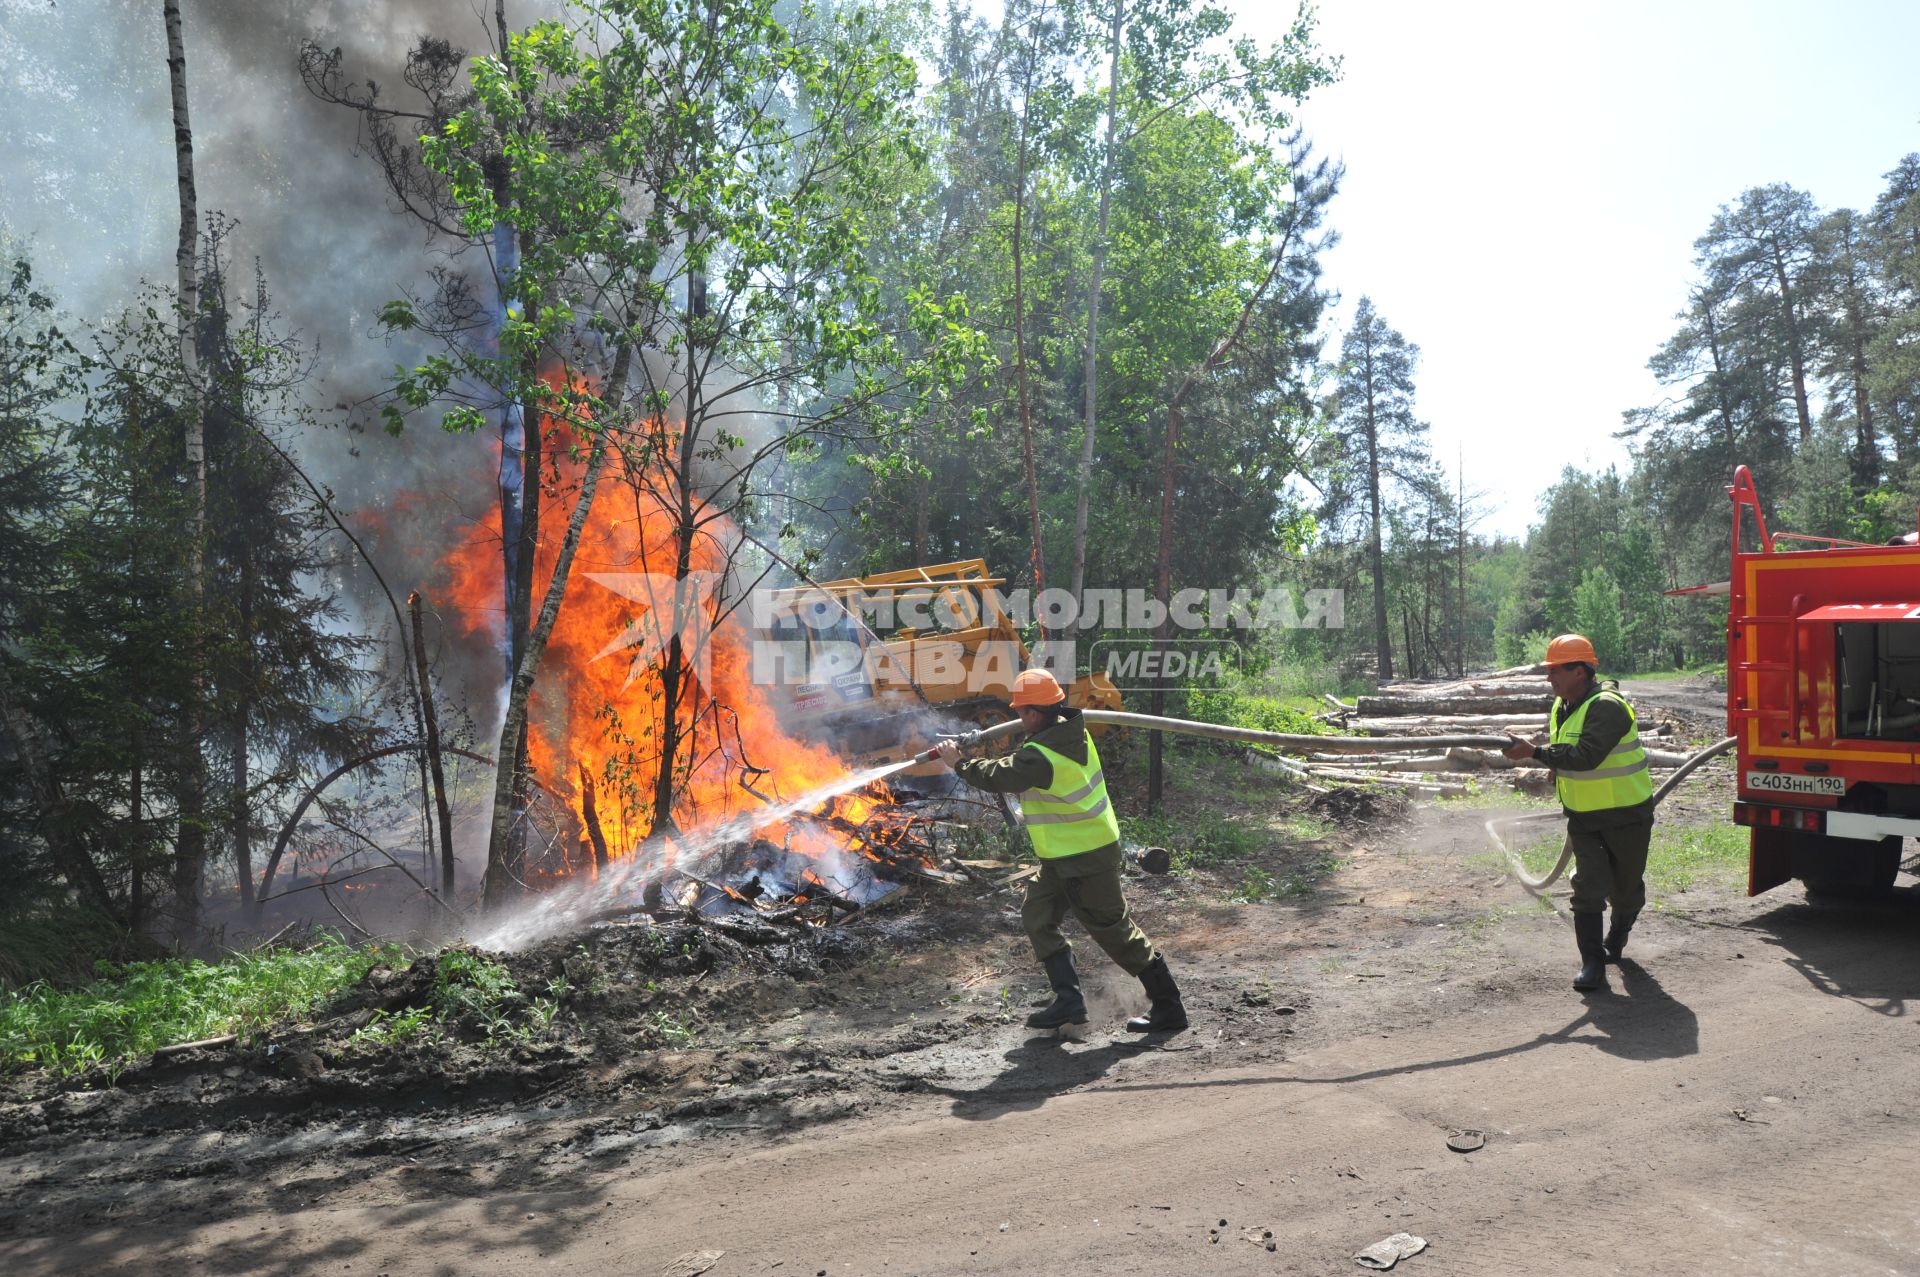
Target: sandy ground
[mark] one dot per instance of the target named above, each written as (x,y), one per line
(1742,1098)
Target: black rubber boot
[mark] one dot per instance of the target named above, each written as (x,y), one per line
(1068,1005)
(1617,933)
(1166,1014)
(1593,954)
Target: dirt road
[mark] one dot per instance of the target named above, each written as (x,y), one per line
(1743,1098)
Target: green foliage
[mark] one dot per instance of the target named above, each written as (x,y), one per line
(671,1030)
(1596,614)
(1513,644)
(139,648)
(134,1008)
(397,1027)
(1238,708)
(475,994)
(1203,187)
(1377,454)
(60,944)
(1880,515)
(1255,885)
(467,981)
(760,188)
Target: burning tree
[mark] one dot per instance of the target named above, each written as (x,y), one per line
(693,184)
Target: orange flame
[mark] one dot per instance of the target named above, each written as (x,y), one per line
(606,711)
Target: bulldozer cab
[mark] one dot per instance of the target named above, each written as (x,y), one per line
(897,658)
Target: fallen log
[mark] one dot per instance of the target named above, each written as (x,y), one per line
(1435,725)
(1442,788)
(1273,763)
(1385,762)
(180,1048)
(1413,730)
(1426,706)
(1517,687)
(1397,742)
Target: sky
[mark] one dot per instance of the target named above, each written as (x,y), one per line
(1525,182)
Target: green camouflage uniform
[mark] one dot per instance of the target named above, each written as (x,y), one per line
(1609,845)
(1087,884)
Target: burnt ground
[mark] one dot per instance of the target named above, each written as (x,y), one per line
(1742,1097)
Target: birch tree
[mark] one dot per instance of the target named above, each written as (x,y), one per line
(693,184)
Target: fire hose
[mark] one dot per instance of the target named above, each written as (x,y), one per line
(1356,745)
(1246,735)
(1538,885)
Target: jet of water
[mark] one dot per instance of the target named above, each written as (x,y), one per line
(574,904)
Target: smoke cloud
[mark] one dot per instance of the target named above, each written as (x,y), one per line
(87,187)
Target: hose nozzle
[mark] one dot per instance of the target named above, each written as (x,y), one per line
(967,741)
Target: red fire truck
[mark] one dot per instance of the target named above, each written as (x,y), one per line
(1823,695)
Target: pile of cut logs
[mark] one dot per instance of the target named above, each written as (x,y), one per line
(1489,704)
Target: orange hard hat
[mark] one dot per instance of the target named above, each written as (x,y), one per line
(1036,687)
(1571,648)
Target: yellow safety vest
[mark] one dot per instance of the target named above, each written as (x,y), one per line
(1072,814)
(1621,779)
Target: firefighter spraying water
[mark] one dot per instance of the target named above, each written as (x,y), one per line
(1076,836)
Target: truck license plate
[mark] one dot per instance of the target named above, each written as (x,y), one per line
(1787,783)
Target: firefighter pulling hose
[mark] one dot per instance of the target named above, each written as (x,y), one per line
(1607,798)
(1537,885)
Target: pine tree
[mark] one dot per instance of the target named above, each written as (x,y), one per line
(1383,445)
(46,821)
(1893,352)
(284,667)
(1762,254)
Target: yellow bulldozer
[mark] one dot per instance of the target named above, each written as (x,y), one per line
(942,655)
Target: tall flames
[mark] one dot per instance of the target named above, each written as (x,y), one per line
(600,700)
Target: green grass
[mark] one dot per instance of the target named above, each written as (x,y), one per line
(672,1030)
(1195,839)
(1539,848)
(1492,796)
(474,993)
(1258,885)
(134,1008)
(1306,827)
(1681,857)
(1718,668)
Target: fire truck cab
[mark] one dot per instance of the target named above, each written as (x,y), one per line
(1823,697)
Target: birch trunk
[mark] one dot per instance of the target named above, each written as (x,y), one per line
(1089,410)
(1036,555)
(511,762)
(190,852)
